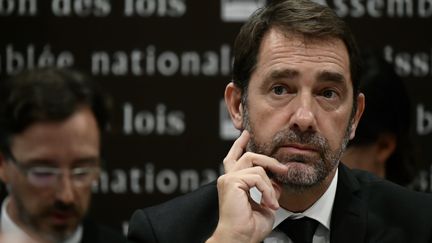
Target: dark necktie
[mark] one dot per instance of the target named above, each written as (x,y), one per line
(299,230)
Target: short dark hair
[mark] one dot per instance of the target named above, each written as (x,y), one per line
(388,111)
(304,17)
(47,94)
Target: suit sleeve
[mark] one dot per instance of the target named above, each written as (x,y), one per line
(190,218)
(141,229)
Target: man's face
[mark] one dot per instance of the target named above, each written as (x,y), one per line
(299,106)
(54,211)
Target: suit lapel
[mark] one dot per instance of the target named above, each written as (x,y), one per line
(348,221)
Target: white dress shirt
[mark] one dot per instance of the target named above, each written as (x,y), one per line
(320,211)
(9,227)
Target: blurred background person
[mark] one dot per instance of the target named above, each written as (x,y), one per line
(51,122)
(382,144)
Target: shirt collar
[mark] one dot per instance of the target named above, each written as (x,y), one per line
(8,226)
(320,211)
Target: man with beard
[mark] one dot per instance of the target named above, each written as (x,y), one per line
(295,96)
(51,121)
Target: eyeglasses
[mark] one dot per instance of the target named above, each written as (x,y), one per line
(48,177)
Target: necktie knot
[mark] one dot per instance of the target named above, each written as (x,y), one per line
(299,230)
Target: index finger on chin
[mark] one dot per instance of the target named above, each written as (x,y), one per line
(237,149)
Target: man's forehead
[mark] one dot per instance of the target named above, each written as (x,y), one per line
(295,48)
(304,41)
(39,143)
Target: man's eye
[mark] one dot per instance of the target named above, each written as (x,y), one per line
(329,93)
(43,172)
(84,172)
(279,90)
(81,172)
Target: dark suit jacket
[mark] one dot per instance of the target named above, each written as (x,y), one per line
(96,233)
(366,209)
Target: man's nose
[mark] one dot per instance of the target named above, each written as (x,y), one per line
(65,189)
(303,117)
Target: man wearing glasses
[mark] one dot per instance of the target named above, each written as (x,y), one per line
(50,126)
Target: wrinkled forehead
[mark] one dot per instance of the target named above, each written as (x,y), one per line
(293,48)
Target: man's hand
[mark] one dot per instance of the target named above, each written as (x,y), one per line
(240,218)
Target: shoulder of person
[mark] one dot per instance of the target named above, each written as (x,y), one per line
(188,218)
(389,194)
(98,233)
(204,195)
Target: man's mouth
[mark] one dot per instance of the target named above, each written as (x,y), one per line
(62,217)
(297,149)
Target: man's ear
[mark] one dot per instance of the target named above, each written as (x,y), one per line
(233,97)
(386,146)
(3,169)
(358,113)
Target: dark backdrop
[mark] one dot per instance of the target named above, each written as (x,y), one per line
(166,63)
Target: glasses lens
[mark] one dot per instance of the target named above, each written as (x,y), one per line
(47,176)
(42,176)
(84,176)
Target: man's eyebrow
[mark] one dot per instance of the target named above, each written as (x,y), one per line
(39,162)
(280,74)
(331,76)
(284,74)
(88,161)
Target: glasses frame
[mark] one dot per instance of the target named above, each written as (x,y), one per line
(89,172)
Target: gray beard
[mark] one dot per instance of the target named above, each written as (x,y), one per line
(311,170)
